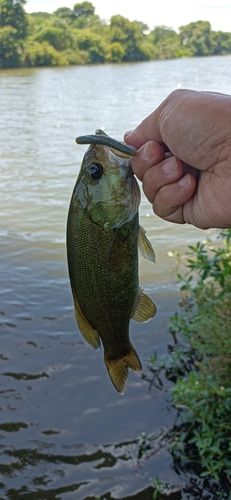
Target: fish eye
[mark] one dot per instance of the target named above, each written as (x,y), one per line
(95,171)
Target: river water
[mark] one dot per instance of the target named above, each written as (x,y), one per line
(64,431)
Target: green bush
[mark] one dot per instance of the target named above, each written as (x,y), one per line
(57,37)
(10,48)
(204,393)
(200,364)
(92,45)
(74,56)
(43,54)
(206,408)
(115,52)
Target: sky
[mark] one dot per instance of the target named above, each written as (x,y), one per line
(171,13)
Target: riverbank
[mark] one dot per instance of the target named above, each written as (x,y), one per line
(78,36)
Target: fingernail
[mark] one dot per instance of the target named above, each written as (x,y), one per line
(185,181)
(170,165)
(127,133)
(146,154)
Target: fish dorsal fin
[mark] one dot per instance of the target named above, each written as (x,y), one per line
(145,309)
(90,335)
(145,246)
(118,369)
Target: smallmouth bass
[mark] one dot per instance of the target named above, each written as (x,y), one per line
(103,236)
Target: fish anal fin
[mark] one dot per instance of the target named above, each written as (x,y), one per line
(118,369)
(90,335)
(145,246)
(145,309)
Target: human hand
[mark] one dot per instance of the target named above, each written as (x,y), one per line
(193,183)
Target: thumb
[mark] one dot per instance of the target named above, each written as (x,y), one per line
(147,130)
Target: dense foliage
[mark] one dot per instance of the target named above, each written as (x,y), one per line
(200,365)
(13,25)
(79,36)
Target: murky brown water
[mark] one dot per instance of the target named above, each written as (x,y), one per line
(64,431)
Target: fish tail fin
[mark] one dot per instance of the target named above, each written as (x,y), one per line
(118,369)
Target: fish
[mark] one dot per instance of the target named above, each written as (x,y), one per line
(103,236)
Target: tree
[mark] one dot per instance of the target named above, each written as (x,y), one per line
(56,33)
(9,48)
(12,14)
(84,9)
(197,38)
(92,45)
(115,52)
(167,43)
(130,34)
(43,54)
(220,43)
(64,13)
(39,16)
(83,16)
(13,25)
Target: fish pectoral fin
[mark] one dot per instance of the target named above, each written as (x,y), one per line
(145,309)
(145,247)
(118,369)
(90,335)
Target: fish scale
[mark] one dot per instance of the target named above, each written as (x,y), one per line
(99,284)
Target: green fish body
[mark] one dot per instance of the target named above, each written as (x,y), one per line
(102,248)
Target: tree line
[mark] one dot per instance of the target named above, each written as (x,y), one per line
(79,36)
